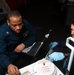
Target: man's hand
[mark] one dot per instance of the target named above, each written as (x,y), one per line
(52,45)
(19,48)
(13,70)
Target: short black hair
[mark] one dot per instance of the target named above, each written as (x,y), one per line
(14,13)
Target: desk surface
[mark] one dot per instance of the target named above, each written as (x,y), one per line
(30,68)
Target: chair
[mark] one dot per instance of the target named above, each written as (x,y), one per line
(3,17)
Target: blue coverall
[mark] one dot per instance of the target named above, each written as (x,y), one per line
(62,46)
(9,40)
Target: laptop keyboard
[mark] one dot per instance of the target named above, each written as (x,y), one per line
(35,49)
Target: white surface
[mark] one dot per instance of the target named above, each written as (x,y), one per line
(44,67)
(72,52)
(31,69)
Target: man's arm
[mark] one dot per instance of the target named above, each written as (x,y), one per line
(62,44)
(31,34)
(28,37)
(19,48)
(4,59)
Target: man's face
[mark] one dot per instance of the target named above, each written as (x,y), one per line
(72,30)
(15,23)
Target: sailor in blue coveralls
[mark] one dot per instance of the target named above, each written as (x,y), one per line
(15,35)
(56,56)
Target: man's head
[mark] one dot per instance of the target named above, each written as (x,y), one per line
(14,20)
(72,29)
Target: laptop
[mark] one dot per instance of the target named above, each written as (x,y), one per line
(36,46)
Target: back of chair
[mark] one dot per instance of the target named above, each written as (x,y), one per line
(3,17)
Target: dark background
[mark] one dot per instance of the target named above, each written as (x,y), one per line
(45,15)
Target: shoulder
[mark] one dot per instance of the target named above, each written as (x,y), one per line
(26,23)
(3,28)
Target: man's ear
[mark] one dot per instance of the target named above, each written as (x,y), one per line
(8,22)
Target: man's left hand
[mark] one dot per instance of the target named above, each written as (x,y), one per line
(19,48)
(56,56)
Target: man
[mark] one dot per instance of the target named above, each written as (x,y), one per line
(56,56)
(15,35)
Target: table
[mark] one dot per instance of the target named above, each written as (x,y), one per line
(30,68)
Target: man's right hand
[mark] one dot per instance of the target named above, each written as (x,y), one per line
(13,70)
